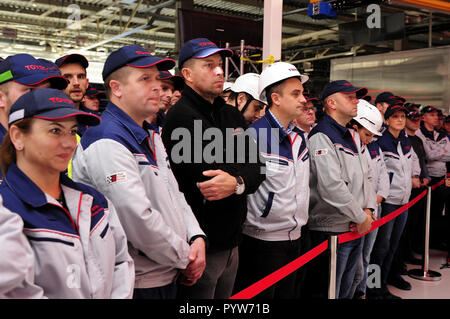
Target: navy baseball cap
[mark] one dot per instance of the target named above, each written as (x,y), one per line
(342,86)
(26,70)
(368,98)
(394,108)
(177,80)
(92,91)
(48,104)
(136,56)
(389,98)
(428,109)
(412,113)
(73,58)
(200,48)
(52,68)
(447,119)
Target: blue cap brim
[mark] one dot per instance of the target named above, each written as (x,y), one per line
(83,118)
(73,58)
(208,52)
(56,81)
(360,92)
(145,62)
(398,108)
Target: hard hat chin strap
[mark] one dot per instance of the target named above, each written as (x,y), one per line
(249,100)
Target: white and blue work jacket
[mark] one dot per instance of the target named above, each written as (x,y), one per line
(279,208)
(128,164)
(80,251)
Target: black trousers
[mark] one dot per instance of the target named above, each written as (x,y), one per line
(259,258)
(413,237)
(439,225)
(315,283)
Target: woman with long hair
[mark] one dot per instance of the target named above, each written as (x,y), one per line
(79,245)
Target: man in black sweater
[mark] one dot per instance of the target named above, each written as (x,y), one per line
(214,177)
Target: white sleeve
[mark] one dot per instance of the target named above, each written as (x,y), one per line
(415,164)
(144,226)
(17,259)
(124,273)
(384,185)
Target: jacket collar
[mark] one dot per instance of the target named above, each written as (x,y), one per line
(139,133)
(429,134)
(27,190)
(405,144)
(275,123)
(401,137)
(339,128)
(202,105)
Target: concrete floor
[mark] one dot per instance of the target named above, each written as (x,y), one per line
(428,289)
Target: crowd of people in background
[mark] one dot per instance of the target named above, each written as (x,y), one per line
(133,200)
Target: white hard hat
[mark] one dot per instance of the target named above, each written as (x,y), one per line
(369,117)
(227,86)
(277,72)
(248,83)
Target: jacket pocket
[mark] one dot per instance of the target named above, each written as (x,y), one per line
(103,233)
(268,204)
(391,176)
(50,239)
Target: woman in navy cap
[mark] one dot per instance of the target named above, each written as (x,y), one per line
(79,245)
(402,166)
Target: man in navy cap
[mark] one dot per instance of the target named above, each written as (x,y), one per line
(447,124)
(91,100)
(386,99)
(169,83)
(18,74)
(342,196)
(125,159)
(73,68)
(437,151)
(215,190)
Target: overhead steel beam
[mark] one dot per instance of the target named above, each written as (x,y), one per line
(158,6)
(141,28)
(443,6)
(353,51)
(311,35)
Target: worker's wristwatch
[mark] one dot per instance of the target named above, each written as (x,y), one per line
(240,186)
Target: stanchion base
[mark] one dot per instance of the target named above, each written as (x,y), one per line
(419,274)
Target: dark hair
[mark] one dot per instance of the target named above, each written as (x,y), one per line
(276,87)
(354,122)
(234,95)
(7,150)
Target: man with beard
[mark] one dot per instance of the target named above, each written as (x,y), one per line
(216,189)
(73,69)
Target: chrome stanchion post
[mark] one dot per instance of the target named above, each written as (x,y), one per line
(425,273)
(332,242)
(227,63)
(241,66)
